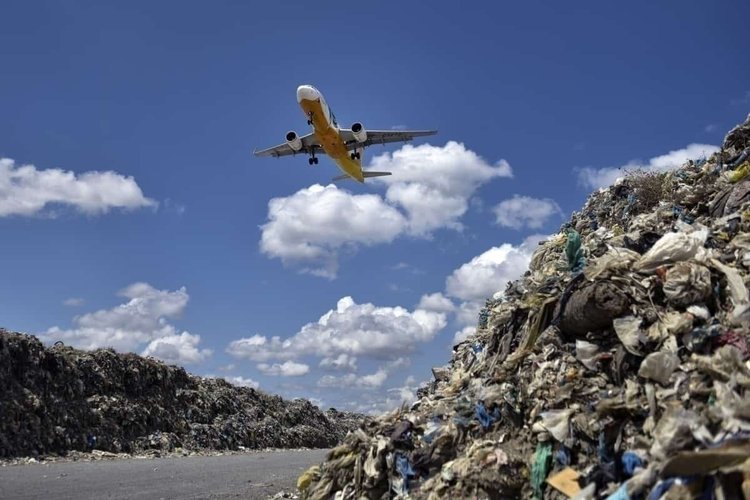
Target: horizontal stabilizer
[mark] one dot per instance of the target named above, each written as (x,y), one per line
(374,174)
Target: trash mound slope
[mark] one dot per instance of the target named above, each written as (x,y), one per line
(58,399)
(616,367)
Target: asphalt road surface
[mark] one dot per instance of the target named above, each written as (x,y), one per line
(248,476)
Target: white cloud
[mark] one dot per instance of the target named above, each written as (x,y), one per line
(308,228)
(260,348)
(142,320)
(523,211)
(25,190)
(595,178)
(434,184)
(242,382)
(404,394)
(73,302)
(486,274)
(340,362)
(371,381)
(431,185)
(711,127)
(365,329)
(285,369)
(352,329)
(180,349)
(464,334)
(467,313)
(436,302)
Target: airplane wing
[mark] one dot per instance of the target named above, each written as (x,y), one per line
(382,137)
(309,142)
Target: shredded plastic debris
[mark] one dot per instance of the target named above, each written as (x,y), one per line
(618,363)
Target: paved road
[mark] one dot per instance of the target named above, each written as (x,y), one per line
(246,476)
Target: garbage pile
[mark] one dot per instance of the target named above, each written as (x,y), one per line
(54,400)
(616,367)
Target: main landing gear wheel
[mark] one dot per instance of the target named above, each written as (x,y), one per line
(312,161)
(355,156)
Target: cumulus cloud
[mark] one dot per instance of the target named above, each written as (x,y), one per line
(260,348)
(430,189)
(467,313)
(352,329)
(433,184)
(242,382)
(26,190)
(486,276)
(285,369)
(340,362)
(600,177)
(308,228)
(488,273)
(182,348)
(464,334)
(370,381)
(404,394)
(142,320)
(523,211)
(436,302)
(73,302)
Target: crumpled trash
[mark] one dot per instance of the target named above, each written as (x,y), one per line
(485,418)
(687,283)
(621,353)
(672,248)
(659,366)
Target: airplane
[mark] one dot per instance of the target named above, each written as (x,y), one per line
(344,146)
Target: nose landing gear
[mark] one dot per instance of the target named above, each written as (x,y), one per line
(312,160)
(355,155)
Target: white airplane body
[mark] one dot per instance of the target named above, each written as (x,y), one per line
(344,146)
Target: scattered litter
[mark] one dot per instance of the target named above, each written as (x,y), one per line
(566,482)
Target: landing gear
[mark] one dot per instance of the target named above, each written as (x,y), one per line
(312,160)
(355,155)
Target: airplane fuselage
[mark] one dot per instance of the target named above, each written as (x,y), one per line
(327,131)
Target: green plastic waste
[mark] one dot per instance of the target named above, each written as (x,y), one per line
(540,468)
(574,252)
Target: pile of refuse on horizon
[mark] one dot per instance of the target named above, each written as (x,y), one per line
(61,401)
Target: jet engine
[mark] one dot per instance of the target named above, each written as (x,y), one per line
(359,132)
(293,140)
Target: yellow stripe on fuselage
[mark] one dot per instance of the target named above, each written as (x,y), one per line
(330,139)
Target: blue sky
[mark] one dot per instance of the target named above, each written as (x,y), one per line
(133,213)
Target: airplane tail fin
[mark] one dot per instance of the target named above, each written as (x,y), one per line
(374,174)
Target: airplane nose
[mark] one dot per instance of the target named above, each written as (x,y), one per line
(307,92)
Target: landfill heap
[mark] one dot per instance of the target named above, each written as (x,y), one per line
(58,399)
(616,367)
